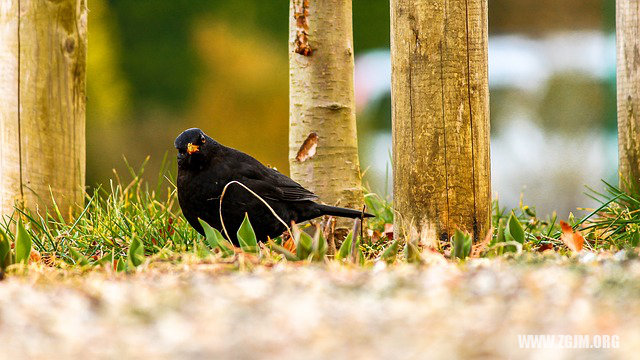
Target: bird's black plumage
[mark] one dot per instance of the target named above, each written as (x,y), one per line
(205,167)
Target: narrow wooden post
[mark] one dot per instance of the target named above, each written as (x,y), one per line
(440,116)
(628,82)
(42,103)
(323,145)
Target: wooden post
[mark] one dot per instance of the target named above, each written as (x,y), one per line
(323,145)
(43,48)
(440,117)
(628,82)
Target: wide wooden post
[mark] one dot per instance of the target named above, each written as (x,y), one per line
(440,116)
(323,145)
(628,82)
(43,48)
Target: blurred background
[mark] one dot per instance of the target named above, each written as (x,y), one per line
(157,67)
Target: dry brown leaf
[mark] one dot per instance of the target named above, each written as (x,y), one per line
(572,239)
(308,148)
(35,257)
(388,231)
(301,13)
(374,235)
(290,245)
(545,246)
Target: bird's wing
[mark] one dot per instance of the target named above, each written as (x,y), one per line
(267,182)
(279,189)
(297,193)
(291,190)
(273,185)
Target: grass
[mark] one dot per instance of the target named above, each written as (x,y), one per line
(113,216)
(618,223)
(614,225)
(125,221)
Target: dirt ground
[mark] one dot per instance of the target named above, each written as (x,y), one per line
(441,311)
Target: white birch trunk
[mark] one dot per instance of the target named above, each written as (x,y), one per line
(322,104)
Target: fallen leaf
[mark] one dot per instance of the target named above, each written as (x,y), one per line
(545,246)
(290,245)
(374,235)
(35,257)
(572,239)
(388,231)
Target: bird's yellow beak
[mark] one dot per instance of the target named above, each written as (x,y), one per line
(192,148)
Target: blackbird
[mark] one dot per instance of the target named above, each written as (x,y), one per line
(205,167)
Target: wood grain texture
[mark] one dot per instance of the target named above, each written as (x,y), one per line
(628,82)
(43,48)
(322,100)
(440,106)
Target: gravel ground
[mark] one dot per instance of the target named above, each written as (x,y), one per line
(442,311)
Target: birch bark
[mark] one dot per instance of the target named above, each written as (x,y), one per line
(323,145)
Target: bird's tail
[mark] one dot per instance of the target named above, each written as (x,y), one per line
(342,212)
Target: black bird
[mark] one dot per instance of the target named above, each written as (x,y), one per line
(205,167)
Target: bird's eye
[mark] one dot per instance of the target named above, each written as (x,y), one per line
(202,139)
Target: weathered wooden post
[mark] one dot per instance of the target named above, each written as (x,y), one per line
(440,116)
(628,82)
(43,48)
(323,145)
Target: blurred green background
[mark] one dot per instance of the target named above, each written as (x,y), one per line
(157,67)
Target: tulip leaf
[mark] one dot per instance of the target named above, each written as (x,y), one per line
(135,255)
(23,244)
(215,239)
(247,237)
